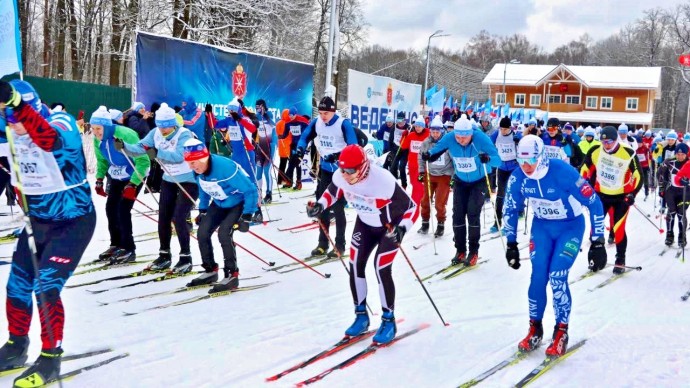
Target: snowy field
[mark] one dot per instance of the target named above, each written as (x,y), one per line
(637,327)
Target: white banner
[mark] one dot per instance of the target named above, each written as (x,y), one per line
(372,97)
(10,43)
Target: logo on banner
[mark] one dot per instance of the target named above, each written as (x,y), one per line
(369,92)
(389,94)
(239,82)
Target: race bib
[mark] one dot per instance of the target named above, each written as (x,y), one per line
(326,143)
(40,173)
(415,146)
(641,157)
(441,161)
(262,131)
(553,152)
(610,171)
(466,165)
(397,136)
(363,205)
(213,189)
(386,136)
(668,154)
(118,172)
(548,210)
(296,130)
(507,151)
(234,133)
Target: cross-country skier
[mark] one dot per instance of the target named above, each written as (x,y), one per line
(557,195)
(440,173)
(125,183)
(234,198)
(506,140)
(50,171)
(267,141)
(671,191)
(384,214)
(411,144)
(165,143)
(294,127)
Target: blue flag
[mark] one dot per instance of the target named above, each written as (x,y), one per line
(450,102)
(430,92)
(437,99)
(506,110)
(463,102)
(10,40)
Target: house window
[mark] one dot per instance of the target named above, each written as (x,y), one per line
(554,98)
(500,98)
(572,99)
(607,103)
(592,102)
(631,103)
(534,99)
(520,99)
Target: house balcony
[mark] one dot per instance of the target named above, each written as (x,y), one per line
(561,107)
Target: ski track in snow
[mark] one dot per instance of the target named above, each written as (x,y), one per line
(636,327)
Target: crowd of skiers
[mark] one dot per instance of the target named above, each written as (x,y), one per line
(219,166)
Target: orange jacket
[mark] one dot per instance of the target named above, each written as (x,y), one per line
(283,144)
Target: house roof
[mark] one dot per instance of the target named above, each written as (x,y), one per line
(607,77)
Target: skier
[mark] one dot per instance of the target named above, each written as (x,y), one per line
(613,170)
(473,156)
(267,141)
(384,214)
(165,145)
(234,201)
(194,118)
(643,153)
(294,128)
(440,173)
(506,140)
(331,133)
(384,132)
(672,190)
(589,140)
(56,195)
(557,194)
(125,183)
(284,142)
(626,138)
(397,156)
(411,144)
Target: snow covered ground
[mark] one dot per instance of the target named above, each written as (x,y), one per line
(637,327)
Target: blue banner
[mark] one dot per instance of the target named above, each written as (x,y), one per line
(10,40)
(168,69)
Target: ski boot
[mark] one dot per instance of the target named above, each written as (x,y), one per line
(209,276)
(559,341)
(13,352)
(620,260)
(298,186)
(268,198)
(230,282)
(45,370)
(318,251)
(361,323)
(108,254)
(669,238)
(184,265)
(681,240)
(287,185)
(459,258)
(163,262)
(440,229)
(425,227)
(534,336)
(611,239)
(122,256)
(333,254)
(387,330)
(258,218)
(471,259)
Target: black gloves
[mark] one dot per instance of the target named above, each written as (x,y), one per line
(243,222)
(396,233)
(597,255)
(299,152)
(513,255)
(331,158)
(235,116)
(152,153)
(685,182)
(420,177)
(427,157)
(119,144)
(314,209)
(484,158)
(8,95)
(629,199)
(199,217)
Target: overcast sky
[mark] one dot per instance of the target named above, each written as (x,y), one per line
(407,24)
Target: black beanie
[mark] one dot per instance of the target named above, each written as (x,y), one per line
(505,122)
(608,133)
(327,104)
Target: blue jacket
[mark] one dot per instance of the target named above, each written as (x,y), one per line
(310,133)
(381,135)
(468,167)
(176,156)
(238,146)
(227,184)
(560,140)
(560,195)
(194,118)
(302,124)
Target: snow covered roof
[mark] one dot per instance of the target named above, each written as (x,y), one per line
(606,77)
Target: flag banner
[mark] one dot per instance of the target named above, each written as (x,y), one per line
(10,40)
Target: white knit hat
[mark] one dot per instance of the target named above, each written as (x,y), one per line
(115,114)
(136,106)
(101,117)
(436,122)
(165,117)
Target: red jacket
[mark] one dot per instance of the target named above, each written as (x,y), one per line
(643,152)
(413,143)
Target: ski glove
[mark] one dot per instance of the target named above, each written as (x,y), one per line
(130,192)
(513,255)
(629,199)
(484,158)
(99,188)
(427,157)
(685,182)
(199,217)
(396,233)
(243,223)
(314,209)
(9,95)
(235,116)
(299,152)
(152,153)
(119,144)
(597,255)
(421,176)
(331,158)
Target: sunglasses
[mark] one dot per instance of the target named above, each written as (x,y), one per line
(608,141)
(348,171)
(532,160)
(551,129)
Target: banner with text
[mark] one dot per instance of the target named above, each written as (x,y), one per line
(372,97)
(10,40)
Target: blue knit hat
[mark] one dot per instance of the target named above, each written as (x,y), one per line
(101,117)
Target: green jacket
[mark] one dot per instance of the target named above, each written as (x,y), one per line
(219,146)
(107,155)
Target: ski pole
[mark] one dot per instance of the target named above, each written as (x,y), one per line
(647,218)
(326,276)
(500,230)
(186,193)
(685,229)
(421,283)
(526,214)
(431,213)
(141,178)
(268,263)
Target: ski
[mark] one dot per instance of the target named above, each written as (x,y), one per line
(679,252)
(311,223)
(685,296)
(464,269)
(316,264)
(663,251)
(547,364)
(306,259)
(274,203)
(441,271)
(136,274)
(305,229)
(201,297)
(264,222)
(166,276)
(368,351)
(69,375)
(425,243)
(518,356)
(107,261)
(68,357)
(582,277)
(108,266)
(608,281)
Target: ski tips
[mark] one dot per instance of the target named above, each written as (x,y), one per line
(327,275)
(271,263)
